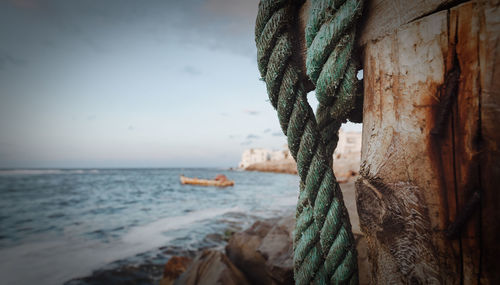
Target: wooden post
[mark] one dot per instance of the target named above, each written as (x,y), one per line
(428,197)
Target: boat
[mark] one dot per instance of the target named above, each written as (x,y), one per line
(218,182)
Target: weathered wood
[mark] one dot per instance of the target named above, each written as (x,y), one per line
(383,17)
(466,118)
(427,197)
(489,58)
(399,193)
(415,184)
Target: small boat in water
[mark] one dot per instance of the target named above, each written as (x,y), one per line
(219,181)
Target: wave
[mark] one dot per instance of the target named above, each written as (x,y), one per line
(70,258)
(145,237)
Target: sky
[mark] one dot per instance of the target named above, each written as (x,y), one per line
(127,83)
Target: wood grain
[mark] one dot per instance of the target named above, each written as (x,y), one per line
(489,58)
(406,170)
(414,184)
(384,17)
(399,195)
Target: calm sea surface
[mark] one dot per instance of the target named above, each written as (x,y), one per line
(56,225)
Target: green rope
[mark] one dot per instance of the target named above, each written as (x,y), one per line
(324,248)
(330,35)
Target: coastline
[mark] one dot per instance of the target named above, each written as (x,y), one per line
(258,253)
(344,168)
(261,254)
(280,166)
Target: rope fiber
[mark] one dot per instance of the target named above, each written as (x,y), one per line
(324,246)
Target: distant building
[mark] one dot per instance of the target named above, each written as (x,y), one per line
(281,154)
(349,145)
(257,155)
(347,155)
(346,158)
(254,155)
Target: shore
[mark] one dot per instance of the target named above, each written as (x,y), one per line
(280,166)
(260,254)
(344,168)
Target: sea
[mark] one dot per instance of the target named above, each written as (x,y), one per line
(58,225)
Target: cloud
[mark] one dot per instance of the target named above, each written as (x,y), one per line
(246,143)
(266,131)
(130,128)
(278,134)
(189,69)
(251,112)
(252,136)
(224,114)
(233,136)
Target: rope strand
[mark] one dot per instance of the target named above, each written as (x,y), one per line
(324,248)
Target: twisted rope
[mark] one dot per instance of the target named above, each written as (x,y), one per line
(324,249)
(330,35)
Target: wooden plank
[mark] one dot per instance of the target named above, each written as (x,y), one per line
(400,195)
(441,151)
(384,17)
(489,57)
(466,119)
(407,78)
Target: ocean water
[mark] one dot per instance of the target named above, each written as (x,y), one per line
(56,225)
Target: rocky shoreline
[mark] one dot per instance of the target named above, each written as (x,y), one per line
(260,254)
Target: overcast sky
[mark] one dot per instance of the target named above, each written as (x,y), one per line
(127,83)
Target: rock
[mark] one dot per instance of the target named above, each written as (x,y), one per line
(277,248)
(242,250)
(174,268)
(264,252)
(212,267)
(126,275)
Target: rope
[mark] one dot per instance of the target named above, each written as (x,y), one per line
(324,248)
(330,35)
